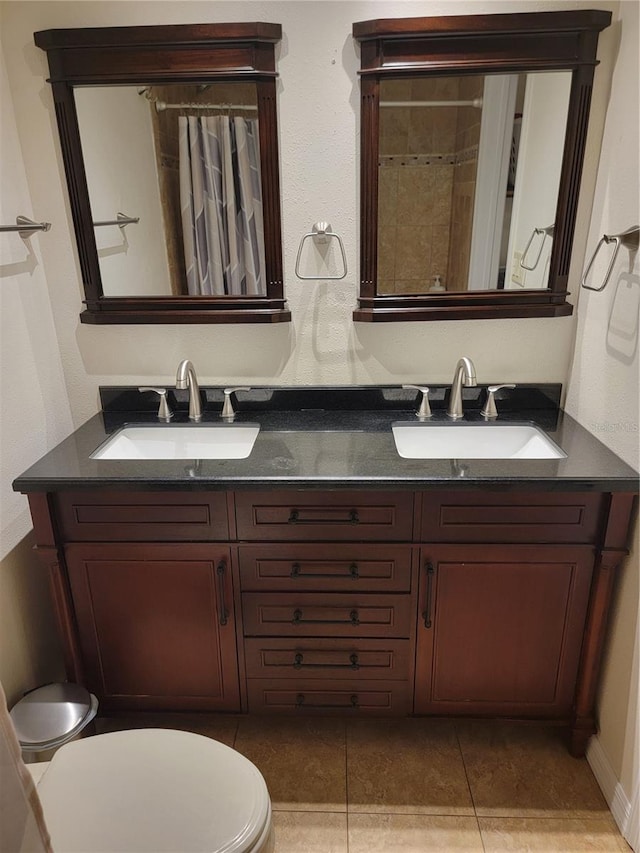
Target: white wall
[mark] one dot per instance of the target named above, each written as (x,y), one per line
(318,105)
(535,196)
(604,388)
(34,416)
(122,177)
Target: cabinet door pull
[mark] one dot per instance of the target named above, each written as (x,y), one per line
(301,702)
(353,619)
(298,663)
(427,611)
(224,613)
(296,572)
(294,518)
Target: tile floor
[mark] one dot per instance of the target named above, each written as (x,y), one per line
(414,785)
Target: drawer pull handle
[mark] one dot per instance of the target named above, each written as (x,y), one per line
(294,518)
(296,572)
(299,663)
(301,702)
(298,620)
(224,613)
(427,611)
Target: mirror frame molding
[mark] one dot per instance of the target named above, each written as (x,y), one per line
(175,53)
(475,44)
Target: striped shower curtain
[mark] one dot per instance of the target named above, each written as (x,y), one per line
(221,205)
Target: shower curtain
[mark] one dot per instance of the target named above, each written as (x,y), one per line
(221,206)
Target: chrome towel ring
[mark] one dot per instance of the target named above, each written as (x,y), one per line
(628,238)
(321,232)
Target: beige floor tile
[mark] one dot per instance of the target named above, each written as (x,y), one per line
(222,728)
(310,832)
(399,833)
(526,771)
(539,835)
(408,766)
(302,760)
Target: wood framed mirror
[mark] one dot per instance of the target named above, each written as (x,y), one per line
(170,147)
(473,131)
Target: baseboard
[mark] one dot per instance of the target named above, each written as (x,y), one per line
(606,778)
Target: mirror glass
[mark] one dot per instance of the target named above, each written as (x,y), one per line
(468,175)
(174,182)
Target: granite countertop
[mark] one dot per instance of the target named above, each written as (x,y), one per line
(331,438)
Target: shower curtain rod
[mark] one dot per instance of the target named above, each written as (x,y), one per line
(161,106)
(476,102)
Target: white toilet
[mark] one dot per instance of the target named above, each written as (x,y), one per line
(153,791)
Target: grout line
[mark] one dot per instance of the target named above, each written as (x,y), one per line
(477,819)
(306,811)
(557,815)
(372,813)
(346,776)
(464,767)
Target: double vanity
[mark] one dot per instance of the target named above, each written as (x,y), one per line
(335,551)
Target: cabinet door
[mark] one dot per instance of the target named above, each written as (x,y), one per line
(500,628)
(156,624)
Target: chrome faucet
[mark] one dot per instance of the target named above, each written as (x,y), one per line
(186,378)
(465,374)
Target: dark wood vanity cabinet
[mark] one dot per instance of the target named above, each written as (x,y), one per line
(478,602)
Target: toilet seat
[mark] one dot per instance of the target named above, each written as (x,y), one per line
(155,790)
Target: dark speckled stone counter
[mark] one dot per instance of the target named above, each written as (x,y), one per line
(331,438)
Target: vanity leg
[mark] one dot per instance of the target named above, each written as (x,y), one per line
(579,736)
(51,557)
(609,558)
(63,610)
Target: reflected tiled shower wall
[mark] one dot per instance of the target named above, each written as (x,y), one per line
(427,166)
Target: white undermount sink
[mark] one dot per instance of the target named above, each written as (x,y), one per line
(180,441)
(473,441)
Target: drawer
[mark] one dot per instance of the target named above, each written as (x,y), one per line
(511,517)
(338,515)
(326,615)
(334,568)
(329,659)
(310,697)
(133,516)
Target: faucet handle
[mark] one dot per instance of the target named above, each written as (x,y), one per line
(424,409)
(164,412)
(227,408)
(489,411)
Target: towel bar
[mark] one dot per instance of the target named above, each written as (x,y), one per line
(121,221)
(26,227)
